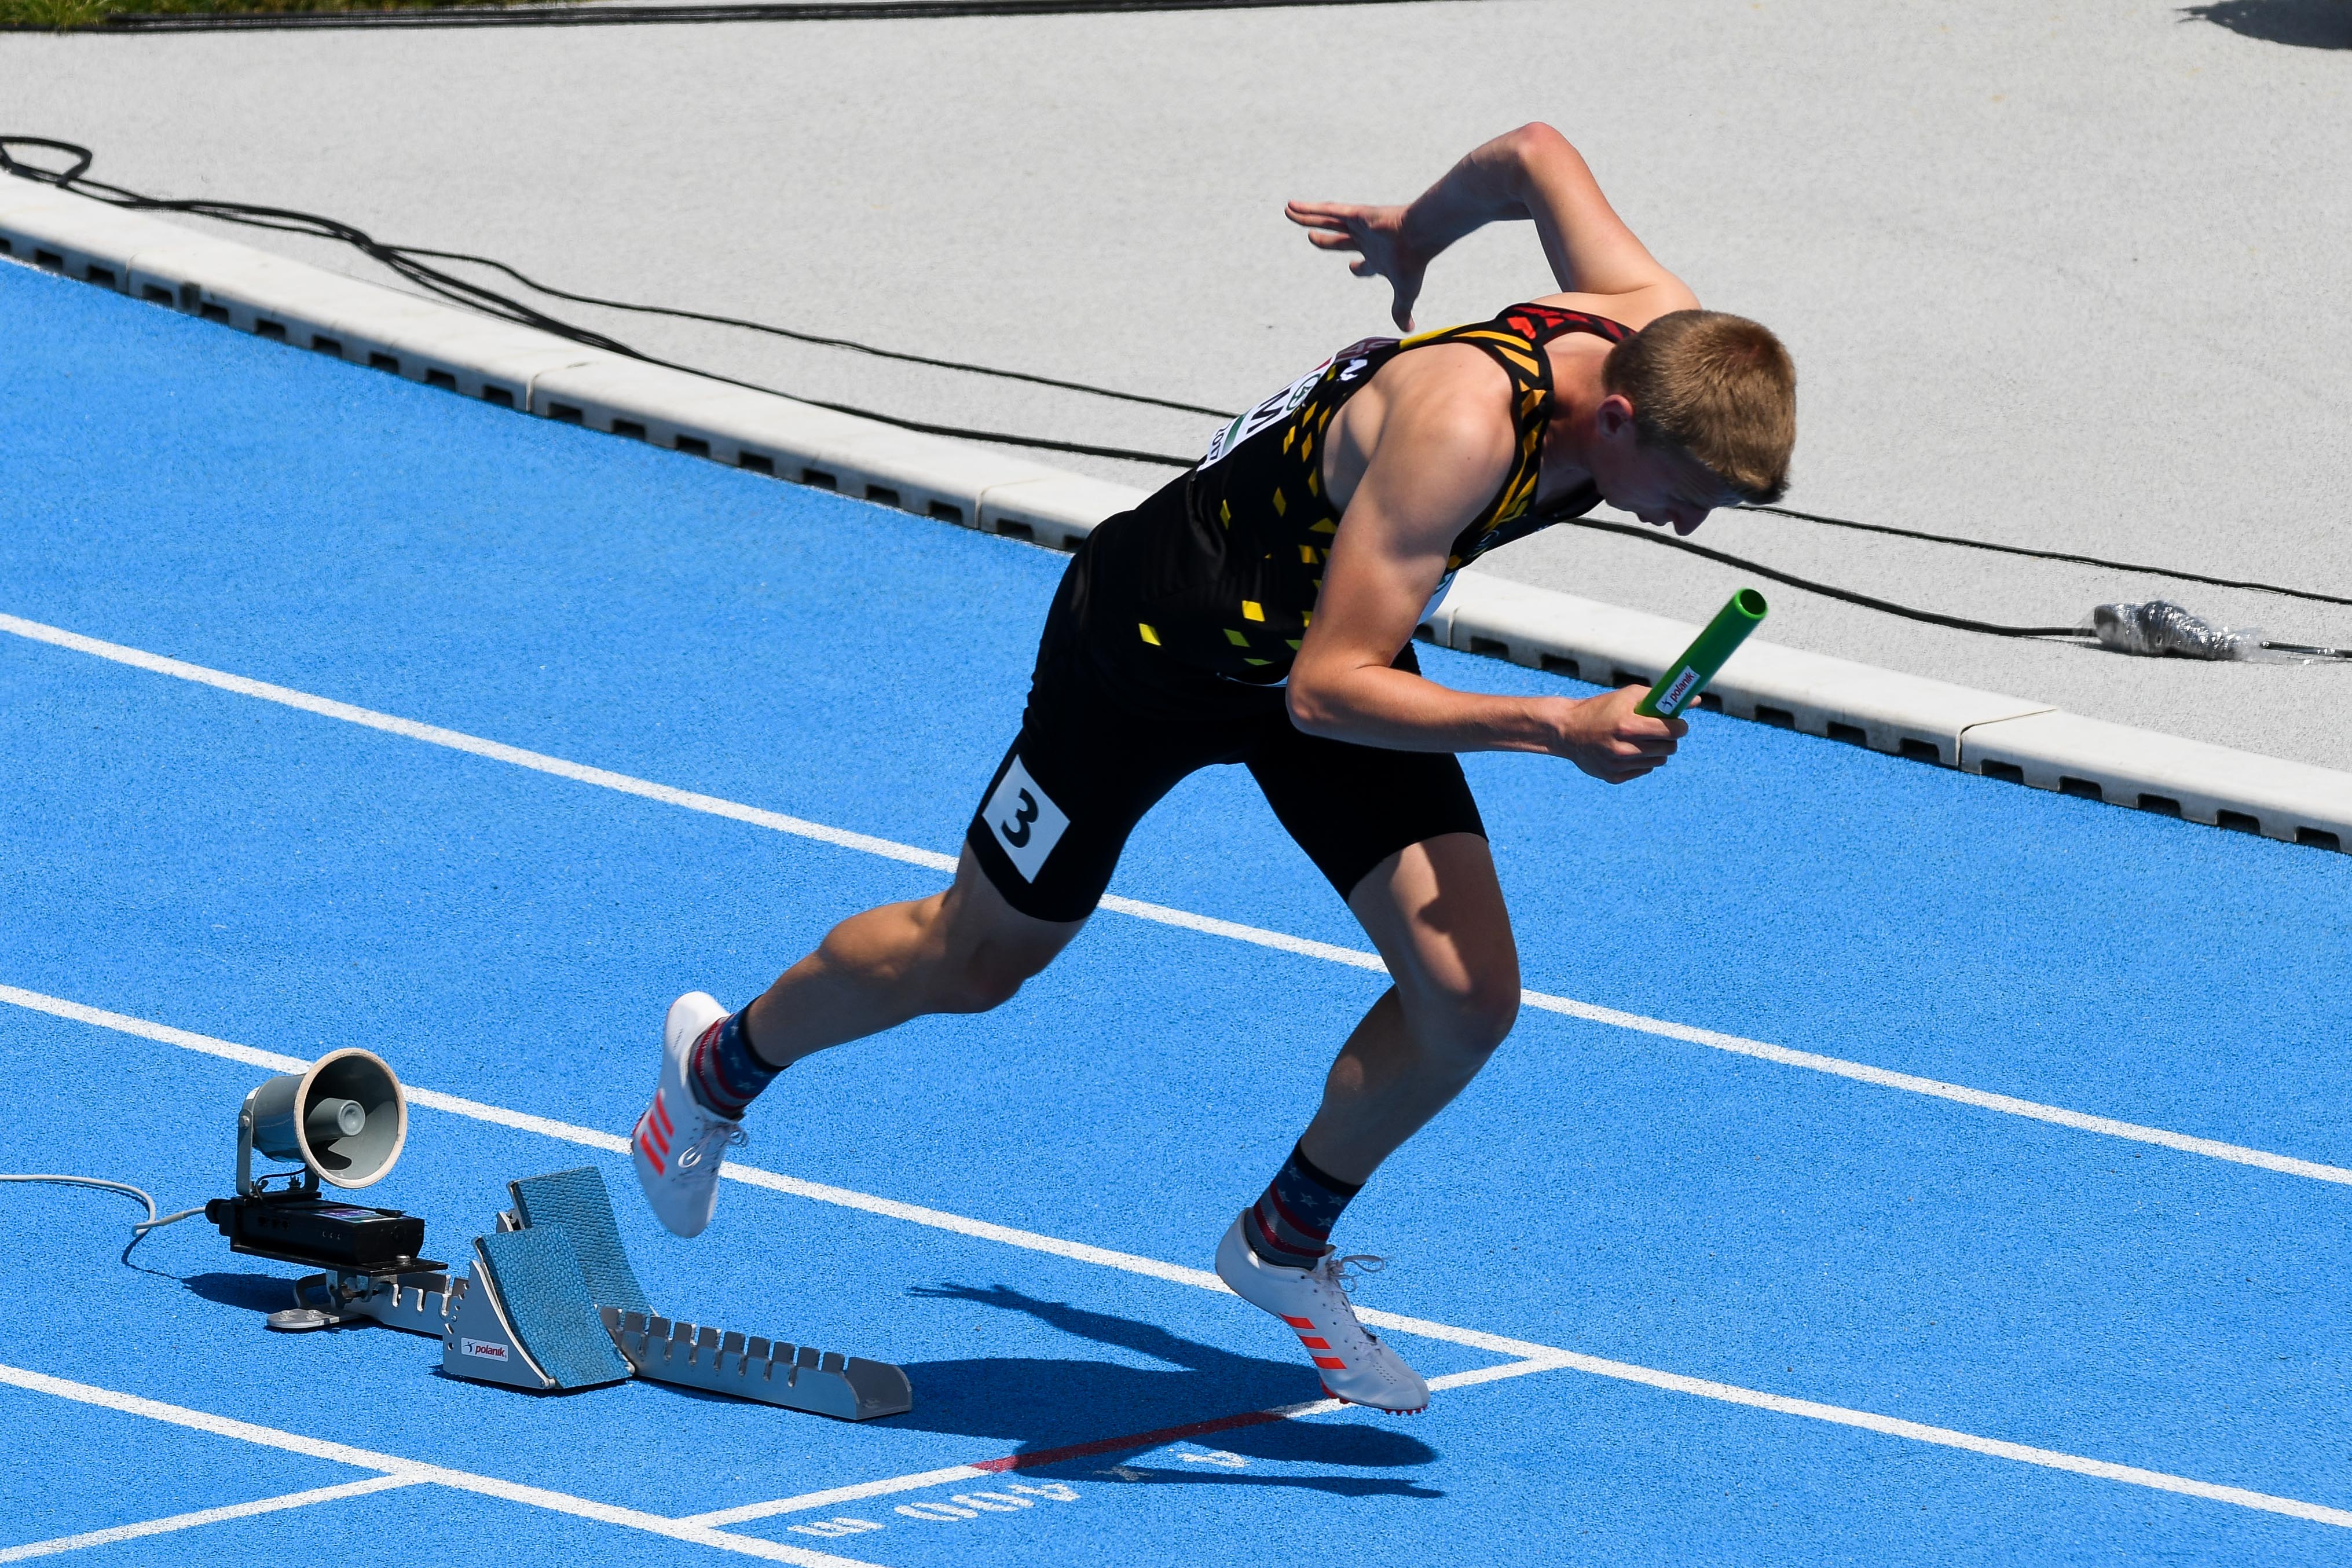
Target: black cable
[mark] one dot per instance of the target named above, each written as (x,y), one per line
(800,336)
(401,262)
(1888,606)
(2055,556)
(595,16)
(1932,617)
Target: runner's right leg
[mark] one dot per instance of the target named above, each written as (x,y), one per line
(962,951)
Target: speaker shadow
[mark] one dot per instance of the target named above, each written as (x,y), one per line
(1036,1406)
(251,1293)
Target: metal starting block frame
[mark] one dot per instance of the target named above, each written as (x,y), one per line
(577,1292)
(798,1377)
(480,1342)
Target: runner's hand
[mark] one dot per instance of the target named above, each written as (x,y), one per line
(1607,739)
(1377,236)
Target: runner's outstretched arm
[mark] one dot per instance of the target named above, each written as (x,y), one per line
(1532,173)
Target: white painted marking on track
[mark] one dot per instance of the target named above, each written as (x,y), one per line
(179,1521)
(412,1470)
(1533,1358)
(749,1176)
(1306,947)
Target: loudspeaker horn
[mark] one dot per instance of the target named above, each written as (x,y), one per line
(344,1117)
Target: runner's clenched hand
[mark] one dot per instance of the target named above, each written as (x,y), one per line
(1607,739)
(1377,236)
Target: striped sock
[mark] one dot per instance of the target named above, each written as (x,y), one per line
(1291,1225)
(725,1074)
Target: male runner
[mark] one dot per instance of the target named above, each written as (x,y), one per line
(1260,610)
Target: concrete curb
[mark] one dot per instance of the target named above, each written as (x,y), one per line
(528,370)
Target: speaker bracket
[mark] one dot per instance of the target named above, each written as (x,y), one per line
(418,1300)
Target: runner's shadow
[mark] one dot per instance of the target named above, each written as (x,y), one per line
(1038,1405)
(2304,24)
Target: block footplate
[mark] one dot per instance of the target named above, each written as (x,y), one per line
(797,1377)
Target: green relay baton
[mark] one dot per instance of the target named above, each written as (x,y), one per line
(1685,679)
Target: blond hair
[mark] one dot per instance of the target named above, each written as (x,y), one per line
(1717,387)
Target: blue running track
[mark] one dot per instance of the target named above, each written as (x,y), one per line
(212,862)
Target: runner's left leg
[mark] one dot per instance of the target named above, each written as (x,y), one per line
(1435,912)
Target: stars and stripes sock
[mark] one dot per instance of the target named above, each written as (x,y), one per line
(723,1071)
(1291,1223)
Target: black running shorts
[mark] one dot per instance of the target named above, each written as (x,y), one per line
(1110,730)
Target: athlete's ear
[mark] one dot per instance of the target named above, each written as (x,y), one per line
(1614,417)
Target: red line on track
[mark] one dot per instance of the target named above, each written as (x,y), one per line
(1117,1445)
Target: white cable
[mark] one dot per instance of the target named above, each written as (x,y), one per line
(138,1232)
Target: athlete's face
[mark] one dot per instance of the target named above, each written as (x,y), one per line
(1661,487)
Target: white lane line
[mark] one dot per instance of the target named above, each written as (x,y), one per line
(1944,1437)
(989,1469)
(751,1175)
(1984,1100)
(834,1497)
(1530,1357)
(1675,1383)
(410,1471)
(434,735)
(1329,952)
(204,1516)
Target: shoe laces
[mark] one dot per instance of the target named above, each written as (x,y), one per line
(711,1143)
(1335,1269)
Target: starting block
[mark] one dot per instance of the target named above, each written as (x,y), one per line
(553,1304)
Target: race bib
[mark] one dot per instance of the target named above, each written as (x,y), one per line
(1284,404)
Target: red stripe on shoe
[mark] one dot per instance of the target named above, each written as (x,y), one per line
(1296,1322)
(1331,1364)
(661,1114)
(1313,1344)
(646,1149)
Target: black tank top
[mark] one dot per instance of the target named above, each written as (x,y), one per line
(1227,581)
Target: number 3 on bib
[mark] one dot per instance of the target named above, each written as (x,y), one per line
(1024,820)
